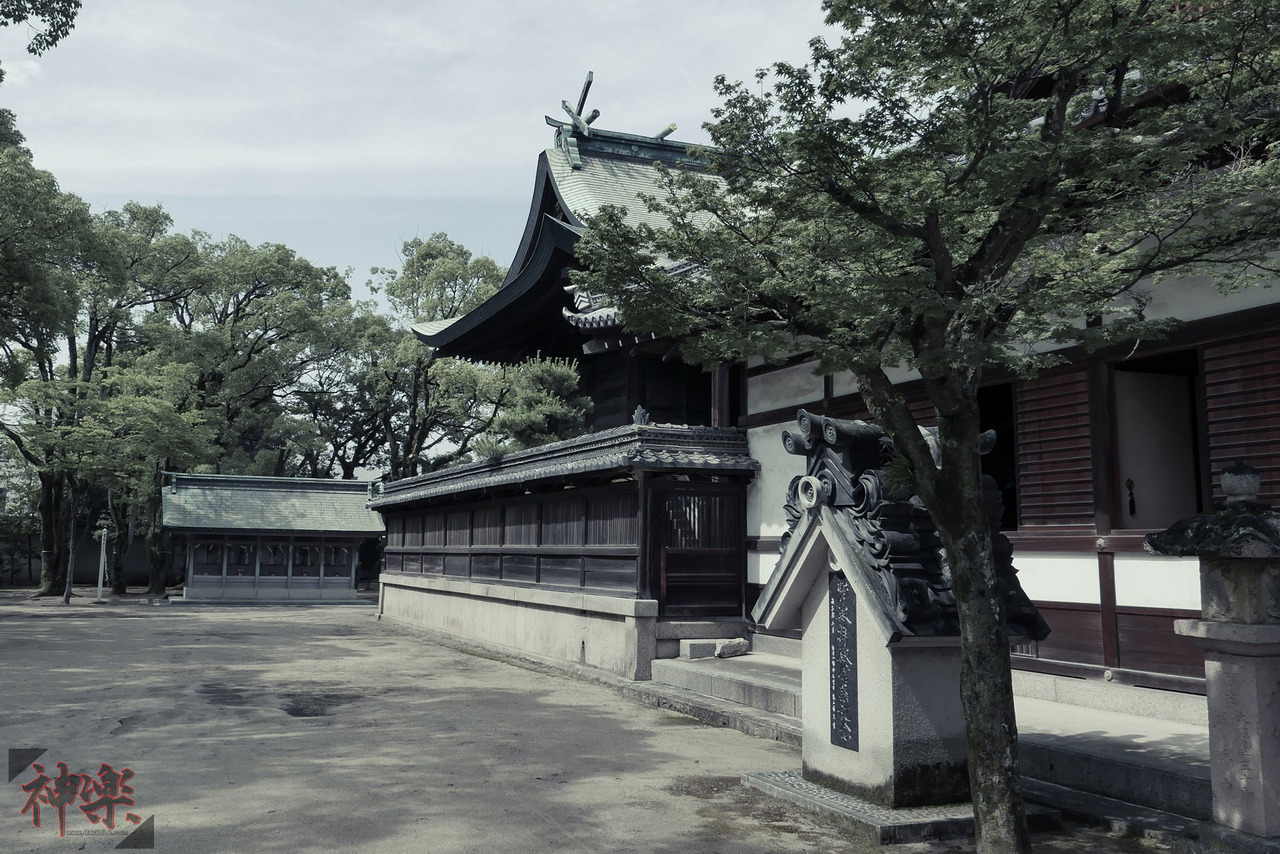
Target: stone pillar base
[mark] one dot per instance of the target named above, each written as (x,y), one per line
(1242,672)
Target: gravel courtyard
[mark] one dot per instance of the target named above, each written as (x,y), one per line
(263,729)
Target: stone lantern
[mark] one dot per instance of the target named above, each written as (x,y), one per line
(1239,550)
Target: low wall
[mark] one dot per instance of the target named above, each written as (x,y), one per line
(610,633)
(244,589)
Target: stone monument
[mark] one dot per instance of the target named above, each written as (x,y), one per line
(1239,550)
(863,573)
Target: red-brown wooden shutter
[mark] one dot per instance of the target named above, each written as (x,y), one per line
(1242,402)
(1055,464)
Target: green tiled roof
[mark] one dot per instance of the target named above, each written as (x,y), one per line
(604,181)
(208,502)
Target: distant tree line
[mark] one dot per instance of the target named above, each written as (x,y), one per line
(127,349)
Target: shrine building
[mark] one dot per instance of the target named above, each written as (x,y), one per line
(664,522)
(270,539)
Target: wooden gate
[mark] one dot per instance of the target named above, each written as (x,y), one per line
(697,547)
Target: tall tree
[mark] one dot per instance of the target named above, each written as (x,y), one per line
(434,410)
(439,279)
(253,321)
(45,244)
(959,186)
(99,437)
(71,350)
(50,21)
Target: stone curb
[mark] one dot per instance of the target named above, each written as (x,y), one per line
(710,711)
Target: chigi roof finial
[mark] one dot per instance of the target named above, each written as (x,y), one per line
(580,123)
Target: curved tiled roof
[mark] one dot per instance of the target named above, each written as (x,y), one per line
(577,176)
(606,180)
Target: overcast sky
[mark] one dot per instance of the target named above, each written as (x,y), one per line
(342,135)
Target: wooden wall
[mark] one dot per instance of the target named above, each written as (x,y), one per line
(687,549)
(585,539)
(1054,457)
(1242,407)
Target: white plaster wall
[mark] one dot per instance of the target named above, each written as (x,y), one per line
(844,383)
(1196,298)
(787,387)
(1050,577)
(1142,581)
(760,566)
(613,634)
(1149,581)
(766,494)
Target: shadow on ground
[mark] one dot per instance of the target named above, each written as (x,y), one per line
(319,729)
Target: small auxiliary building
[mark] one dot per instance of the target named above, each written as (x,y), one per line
(270,538)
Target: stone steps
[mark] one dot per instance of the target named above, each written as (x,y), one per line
(757,680)
(671,634)
(1153,763)
(1160,765)
(776,645)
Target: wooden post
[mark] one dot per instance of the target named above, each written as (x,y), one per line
(720,414)
(644,579)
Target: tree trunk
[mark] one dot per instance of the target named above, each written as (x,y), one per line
(157,563)
(117,554)
(51,577)
(951,488)
(71,546)
(986,682)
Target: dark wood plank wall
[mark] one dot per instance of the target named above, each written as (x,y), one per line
(590,539)
(1077,633)
(587,540)
(1145,640)
(1146,651)
(1055,459)
(671,391)
(1242,405)
(606,379)
(852,407)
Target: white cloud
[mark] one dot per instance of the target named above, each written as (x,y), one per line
(20,72)
(153,99)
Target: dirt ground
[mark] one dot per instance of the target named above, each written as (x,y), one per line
(295,729)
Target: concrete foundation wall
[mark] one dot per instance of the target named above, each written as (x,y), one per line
(244,590)
(610,633)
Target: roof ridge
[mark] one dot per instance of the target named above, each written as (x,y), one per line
(331,484)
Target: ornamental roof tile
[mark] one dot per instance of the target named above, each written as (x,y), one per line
(195,502)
